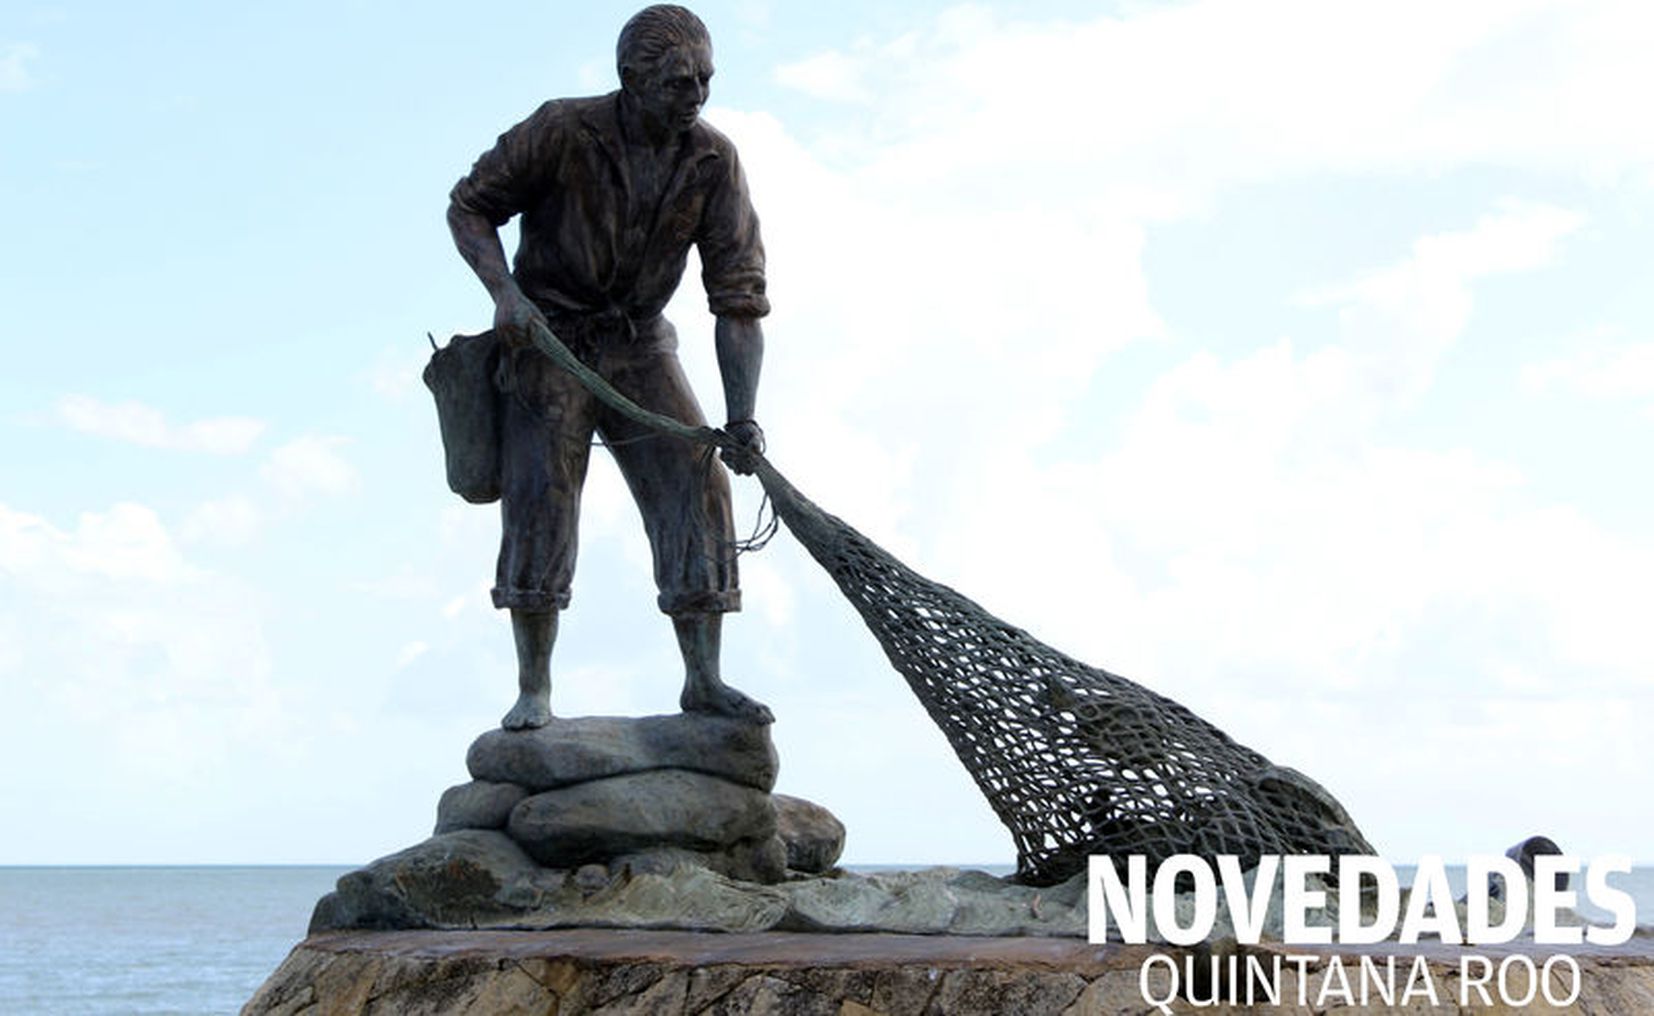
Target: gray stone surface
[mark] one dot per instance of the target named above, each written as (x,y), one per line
(481,879)
(589,878)
(758,860)
(814,836)
(600,819)
(569,751)
(479,804)
(455,880)
(761,860)
(935,901)
(481,973)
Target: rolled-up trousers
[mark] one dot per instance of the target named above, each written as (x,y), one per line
(547,422)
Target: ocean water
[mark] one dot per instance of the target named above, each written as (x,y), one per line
(148,940)
(200,940)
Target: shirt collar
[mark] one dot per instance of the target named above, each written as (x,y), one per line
(602,118)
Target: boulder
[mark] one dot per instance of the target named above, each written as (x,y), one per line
(934,901)
(601,819)
(576,750)
(761,860)
(460,879)
(814,836)
(479,878)
(479,804)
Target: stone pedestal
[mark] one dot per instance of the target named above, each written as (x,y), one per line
(481,879)
(569,751)
(661,973)
(673,973)
(646,793)
(556,816)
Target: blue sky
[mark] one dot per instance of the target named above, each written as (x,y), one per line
(1294,359)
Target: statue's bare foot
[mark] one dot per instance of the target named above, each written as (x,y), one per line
(722,700)
(530,711)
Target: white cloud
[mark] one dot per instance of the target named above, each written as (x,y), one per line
(397,373)
(1257,499)
(1170,103)
(1622,370)
(121,613)
(880,339)
(767,589)
(140,424)
(1264,531)
(24,540)
(309,466)
(596,76)
(1398,320)
(411,652)
(231,521)
(148,682)
(830,75)
(14,66)
(956,268)
(405,584)
(127,542)
(292,475)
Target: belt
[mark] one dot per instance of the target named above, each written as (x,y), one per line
(590,333)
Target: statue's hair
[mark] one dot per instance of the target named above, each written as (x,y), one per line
(655,31)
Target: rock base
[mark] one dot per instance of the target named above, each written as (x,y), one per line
(671,973)
(648,793)
(689,974)
(481,879)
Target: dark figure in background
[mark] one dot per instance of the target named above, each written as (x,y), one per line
(612,191)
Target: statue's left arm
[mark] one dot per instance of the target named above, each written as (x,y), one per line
(740,343)
(732,268)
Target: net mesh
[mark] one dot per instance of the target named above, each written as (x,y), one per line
(1074,760)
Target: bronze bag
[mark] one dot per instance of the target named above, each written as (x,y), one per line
(461,377)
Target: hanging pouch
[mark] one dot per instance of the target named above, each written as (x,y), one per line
(461,377)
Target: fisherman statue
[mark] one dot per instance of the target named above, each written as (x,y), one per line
(611,192)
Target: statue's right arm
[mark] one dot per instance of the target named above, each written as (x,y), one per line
(479,244)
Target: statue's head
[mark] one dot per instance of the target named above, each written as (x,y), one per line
(665,61)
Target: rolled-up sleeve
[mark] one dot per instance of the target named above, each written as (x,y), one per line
(506,178)
(732,252)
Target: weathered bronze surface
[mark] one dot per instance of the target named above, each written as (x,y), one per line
(610,193)
(1075,760)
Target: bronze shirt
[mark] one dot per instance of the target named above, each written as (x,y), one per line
(564,171)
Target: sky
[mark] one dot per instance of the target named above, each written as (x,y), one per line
(1294,359)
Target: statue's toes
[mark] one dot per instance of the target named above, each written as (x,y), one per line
(527,714)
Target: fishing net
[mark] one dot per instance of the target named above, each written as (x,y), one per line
(1074,760)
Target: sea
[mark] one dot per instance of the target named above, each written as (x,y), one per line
(200,940)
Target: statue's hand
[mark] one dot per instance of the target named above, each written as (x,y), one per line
(750,436)
(514,313)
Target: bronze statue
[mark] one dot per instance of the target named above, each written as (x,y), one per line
(1075,760)
(612,191)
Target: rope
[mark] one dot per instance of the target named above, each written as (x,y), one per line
(714,438)
(609,395)
(1074,760)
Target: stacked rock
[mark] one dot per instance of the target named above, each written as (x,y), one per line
(646,794)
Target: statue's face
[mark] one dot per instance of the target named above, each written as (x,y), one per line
(674,92)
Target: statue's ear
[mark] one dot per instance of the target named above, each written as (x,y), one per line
(630,79)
